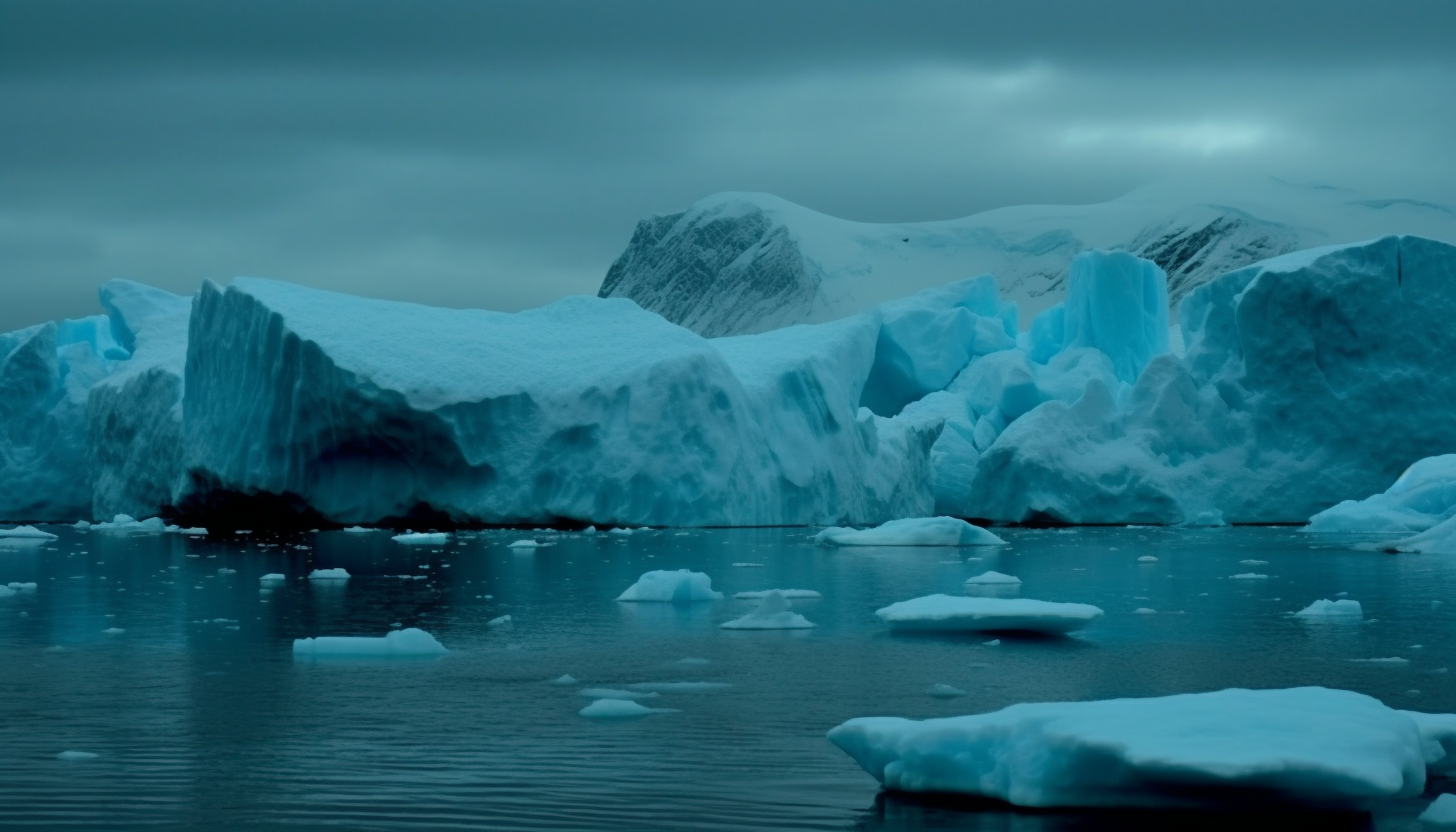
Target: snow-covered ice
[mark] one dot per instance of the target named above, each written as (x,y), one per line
(1325,608)
(950,612)
(993,579)
(422,538)
(1307,746)
(26,532)
(773,613)
(409,642)
(335,574)
(912,531)
(529,544)
(680,586)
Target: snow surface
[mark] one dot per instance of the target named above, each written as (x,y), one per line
(736,263)
(912,531)
(682,586)
(1421,497)
(773,613)
(1306,746)
(409,642)
(950,612)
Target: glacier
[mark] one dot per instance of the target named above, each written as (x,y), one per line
(1312,747)
(738,263)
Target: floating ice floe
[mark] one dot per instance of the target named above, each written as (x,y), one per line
(529,544)
(680,687)
(409,642)
(21,586)
(1439,733)
(502,621)
(336,574)
(1312,747)
(773,613)
(357,529)
(681,586)
(564,679)
(273,578)
(1145,611)
(791,594)
(747,565)
(949,612)
(620,532)
(1248,576)
(26,533)
(126,524)
(1147,559)
(113,631)
(76,756)
(191,531)
(613,693)
(1441,812)
(1325,608)
(913,531)
(620,709)
(422,538)
(942,691)
(993,579)
(1394,661)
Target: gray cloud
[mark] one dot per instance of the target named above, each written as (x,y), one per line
(498,154)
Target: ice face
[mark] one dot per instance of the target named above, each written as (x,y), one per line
(1117,304)
(1421,497)
(1304,746)
(951,613)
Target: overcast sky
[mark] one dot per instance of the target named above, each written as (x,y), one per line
(498,154)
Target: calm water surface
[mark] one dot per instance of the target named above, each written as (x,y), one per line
(203,720)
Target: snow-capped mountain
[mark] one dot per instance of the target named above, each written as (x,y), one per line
(739,263)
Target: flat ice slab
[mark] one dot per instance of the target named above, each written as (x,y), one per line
(409,642)
(1325,608)
(913,531)
(950,612)
(680,586)
(422,538)
(791,594)
(27,532)
(1305,746)
(772,614)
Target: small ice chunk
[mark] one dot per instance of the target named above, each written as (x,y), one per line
(191,531)
(614,693)
(772,614)
(113,631)
(1323,608)
(993,579)
(82,525)
(948,612)
(911,531)
(26,533)
(589,530)
(226,571)
(791,594)
(945,691)
(680,687)
(529,544)
(1248,576)
(337,574)
(422,538)
(679,587)
(1147,559)
(1253,563)
(272,578)
(503,621)
(126,524)
(995,642)
(357,530)
(1144,611)
(74,756)
(620,532)
(1390,660)
(619,709)
(692,661)
(21,587)
(1441,812)
(564,679)
(747,565)
(408,642)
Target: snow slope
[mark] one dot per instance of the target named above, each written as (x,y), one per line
(737,263)
(1304,746)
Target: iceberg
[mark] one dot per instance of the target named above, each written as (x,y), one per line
(954,613)
(1325,608)
(620,709)
(1310,747)
(1439,539)
(422,538)
(584,410)
(1423,496)
(126,524)
(993,579)
(773,613)
(914,531)
(682,586)
(336,574)
(26,533)
(407,643)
